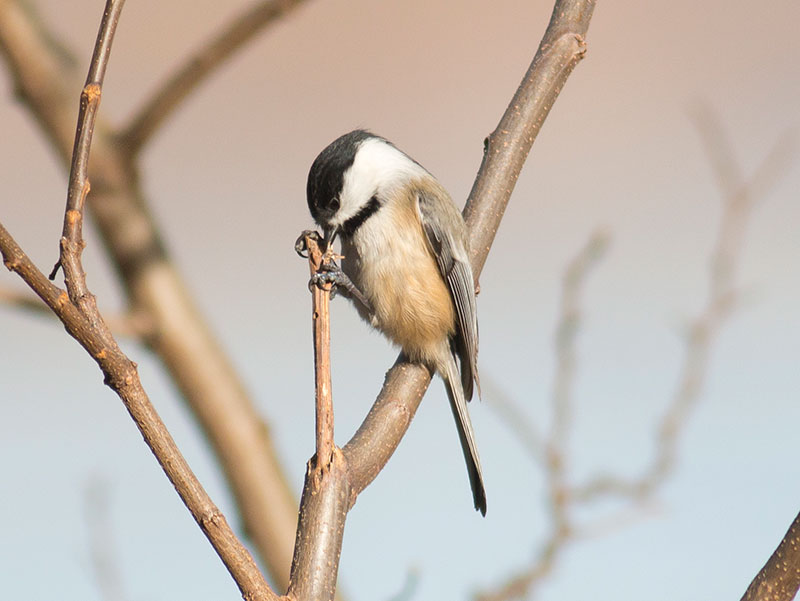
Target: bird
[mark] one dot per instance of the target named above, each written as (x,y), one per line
(404,264)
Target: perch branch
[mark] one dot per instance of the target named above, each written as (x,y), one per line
(326,492)
(561,48)
(387,421)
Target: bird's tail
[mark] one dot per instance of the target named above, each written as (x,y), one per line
(466,434)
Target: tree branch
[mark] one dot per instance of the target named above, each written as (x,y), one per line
(179,337)
(779,579)
(78,312)
(321,319)
(506,149)
(405,384)
(121,376)
(197,68)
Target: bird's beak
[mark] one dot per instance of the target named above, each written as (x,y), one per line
(330,235)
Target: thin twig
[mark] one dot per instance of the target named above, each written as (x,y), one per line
(321,325)
(197,68)
(105,560)
(72,236)
(181,338)
(78,311)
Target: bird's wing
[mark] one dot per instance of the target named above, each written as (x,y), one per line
(450,249)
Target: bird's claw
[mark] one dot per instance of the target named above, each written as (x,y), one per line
(326,280)
(301,244)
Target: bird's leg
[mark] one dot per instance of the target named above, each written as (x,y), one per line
(332,274)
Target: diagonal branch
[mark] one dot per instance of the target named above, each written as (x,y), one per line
(72,235)
(78,312)
(121,375)
(197,68)
(561,48)
(177,333)
(379,435)
(779,579)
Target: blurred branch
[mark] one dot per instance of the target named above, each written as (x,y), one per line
(562,528)
(131,325)
(779,579)
(103,553)
(514,419)
(197,68)
(179,336)
(739,197)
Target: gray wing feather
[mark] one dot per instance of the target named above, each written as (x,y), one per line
(449,245)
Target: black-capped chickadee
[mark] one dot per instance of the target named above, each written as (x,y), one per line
(406,265)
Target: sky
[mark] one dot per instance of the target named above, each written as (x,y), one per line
(620,153)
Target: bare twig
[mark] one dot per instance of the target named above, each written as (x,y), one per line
(78,312)
(320,315)
(156,109)
(779,579)
(179,337)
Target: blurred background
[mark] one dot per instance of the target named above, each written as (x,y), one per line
(620,153)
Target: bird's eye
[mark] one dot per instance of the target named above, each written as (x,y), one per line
(334,204)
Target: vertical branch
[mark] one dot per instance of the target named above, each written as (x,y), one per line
(320,315)
(562,399)
(72,235)
(326,495)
